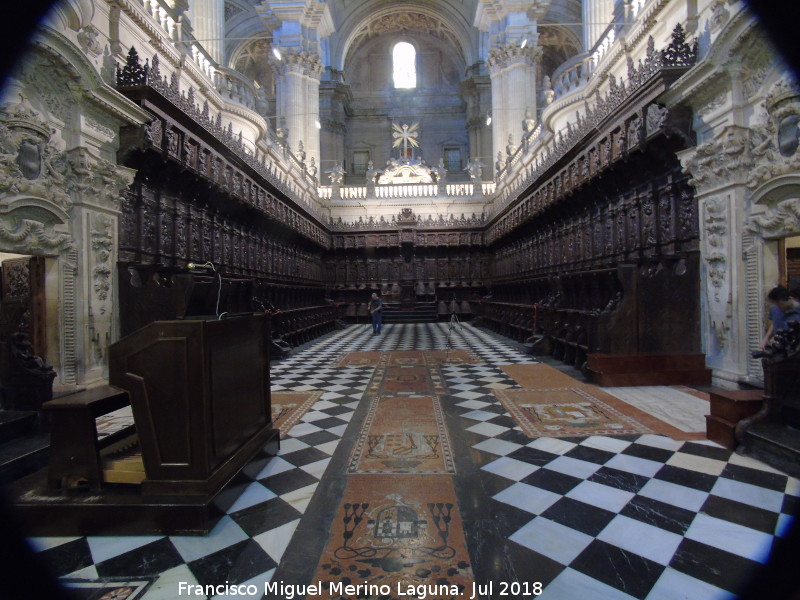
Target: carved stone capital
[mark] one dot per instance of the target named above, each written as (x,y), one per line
(723,160)
(779,221)
(505,55)
(302,62)
(93,179)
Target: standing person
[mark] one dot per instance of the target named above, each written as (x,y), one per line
(376,310)
(784,309)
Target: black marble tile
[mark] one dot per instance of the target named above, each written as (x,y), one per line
(648,452)
(552,481)
(622,480)
(512,435)
(151,559)
(288,481)
(743,514)
(772,481)
(337,410)
(329,422)
(662,515)
(723,569)
(492,483)
(503,421)
(530,566)
(590,454)
(509,519)
(704,450)
(791,505)
(234,564)
(66,558)
(578,515)
(532,456)
(685,477)
(304,457)
(267,515)
(317,438)
(623,570)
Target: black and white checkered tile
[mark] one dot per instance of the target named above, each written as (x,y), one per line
(643,517)
(640,517)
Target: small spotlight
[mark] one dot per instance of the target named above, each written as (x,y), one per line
(277,53)
(488,120)
(524,43)
(318,124)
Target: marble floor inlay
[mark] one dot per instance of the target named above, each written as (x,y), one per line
(635,516)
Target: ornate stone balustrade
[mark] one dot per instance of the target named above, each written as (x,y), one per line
(410,191)
(429,221)
(572,75)
(532,161)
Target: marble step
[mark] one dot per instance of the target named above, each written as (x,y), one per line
(775,444)
(23,455)
(17,423)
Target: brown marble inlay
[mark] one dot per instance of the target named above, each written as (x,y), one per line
(403,434)
(397,530)
(289,407)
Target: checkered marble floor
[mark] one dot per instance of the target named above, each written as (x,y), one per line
(640,517)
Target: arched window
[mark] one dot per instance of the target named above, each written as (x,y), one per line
(404,59)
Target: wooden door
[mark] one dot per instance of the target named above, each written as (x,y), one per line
(23,296)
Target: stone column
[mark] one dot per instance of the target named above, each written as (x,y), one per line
(513,75)
(208,23)
(297,90)
(719,169)
(597,14)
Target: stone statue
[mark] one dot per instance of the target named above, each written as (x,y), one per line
(474,167)
(528,123)
(336,174)
(301,153)
(371,172)
(441,172)
(312,168)
(510,147)
(499,164)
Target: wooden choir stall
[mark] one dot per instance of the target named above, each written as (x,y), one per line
(200,395)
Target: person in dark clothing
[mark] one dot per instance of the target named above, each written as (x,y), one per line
(376,310)
(784,308)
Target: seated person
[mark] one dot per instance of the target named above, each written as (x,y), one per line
(784,308)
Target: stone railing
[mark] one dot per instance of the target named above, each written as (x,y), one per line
(532,160)
(429,221)
(407,191)
(278,166)
(572,75)
(235,87)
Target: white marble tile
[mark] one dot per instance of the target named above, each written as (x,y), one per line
(784,524)
(314,415)
(730,537)
(674,494)
(328,447)
(510,468)
(275,541)
(258,582)
(634,464)
(255,493)
(316,468)
(166,587)
(608,444)
(751,463)
(554,540)
(274,466)
(574,585)
(674,585)
(105,547)
(602,496)
(640,538)
(225,533)
(479,415)
(302,429)
(749,494)
(473,404)
(573,466)
(552,445)
(45,543)
(793,486)
(679,409)
(469,395)
(528,498)
(495,446)
(659,441)
(290,445)
(338,430)
(89,573)
(693,462)
(487,429)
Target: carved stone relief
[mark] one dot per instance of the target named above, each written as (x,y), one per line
(716,226)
